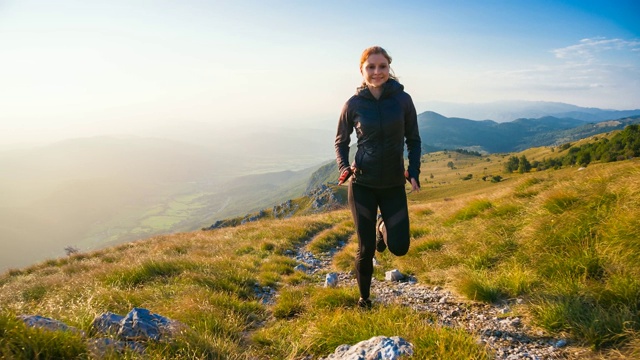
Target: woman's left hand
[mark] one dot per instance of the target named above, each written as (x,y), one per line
(414,185)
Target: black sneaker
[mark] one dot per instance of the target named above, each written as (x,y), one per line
(364,304)
(380,244)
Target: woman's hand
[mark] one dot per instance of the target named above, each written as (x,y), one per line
(345,175)
(414,185)
(412,181)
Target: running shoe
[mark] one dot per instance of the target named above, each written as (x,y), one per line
(364,304)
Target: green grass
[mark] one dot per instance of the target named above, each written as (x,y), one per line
(428,245)
(330,239)
(470,211)
(479,286)
(17,341)
(146,272)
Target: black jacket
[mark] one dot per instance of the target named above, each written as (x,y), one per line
(382,126)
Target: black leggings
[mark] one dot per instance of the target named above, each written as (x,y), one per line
(364,203)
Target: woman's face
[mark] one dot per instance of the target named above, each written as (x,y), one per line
(375,70)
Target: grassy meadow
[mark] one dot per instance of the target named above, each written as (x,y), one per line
(565,241)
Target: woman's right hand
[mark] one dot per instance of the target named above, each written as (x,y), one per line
(346,174)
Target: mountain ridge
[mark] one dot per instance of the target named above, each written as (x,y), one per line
(492,137)
(509,110)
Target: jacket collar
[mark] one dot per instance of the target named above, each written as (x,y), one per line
(390,88)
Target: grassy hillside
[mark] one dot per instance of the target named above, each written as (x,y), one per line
(564,241)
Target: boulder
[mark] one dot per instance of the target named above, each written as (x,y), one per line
(141,324)
(376,348)
(106,323)
(393,275)
(138,325)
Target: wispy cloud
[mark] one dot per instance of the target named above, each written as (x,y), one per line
(588,49)
(594,69)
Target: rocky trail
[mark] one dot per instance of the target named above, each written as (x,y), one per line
(497,326)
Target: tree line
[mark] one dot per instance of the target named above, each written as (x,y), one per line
(624,145)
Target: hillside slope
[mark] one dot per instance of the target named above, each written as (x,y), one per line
(562,242)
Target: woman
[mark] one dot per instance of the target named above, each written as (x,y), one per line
(384,118)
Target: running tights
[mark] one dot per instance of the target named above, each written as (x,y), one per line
(364,203)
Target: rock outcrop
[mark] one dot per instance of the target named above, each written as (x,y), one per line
(323,199)
(376,348)
(284,210)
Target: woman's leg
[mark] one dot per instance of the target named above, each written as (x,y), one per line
(393,207)
(364,207)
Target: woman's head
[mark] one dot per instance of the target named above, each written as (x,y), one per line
(375,66)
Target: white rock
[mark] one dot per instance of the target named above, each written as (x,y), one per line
(331,280)
(393,275)
(379,347)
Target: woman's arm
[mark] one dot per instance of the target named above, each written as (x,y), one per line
(343,138)
(414,144)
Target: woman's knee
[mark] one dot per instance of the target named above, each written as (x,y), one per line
(398,249)
(366,253)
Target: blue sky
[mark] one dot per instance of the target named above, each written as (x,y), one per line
(77,68)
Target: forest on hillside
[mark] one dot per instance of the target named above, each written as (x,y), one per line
(623,145)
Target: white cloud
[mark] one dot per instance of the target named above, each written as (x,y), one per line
(588,49)
(594,72)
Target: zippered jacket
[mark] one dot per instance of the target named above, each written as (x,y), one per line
(382,127)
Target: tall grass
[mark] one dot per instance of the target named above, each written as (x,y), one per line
(331,239)
(17,341)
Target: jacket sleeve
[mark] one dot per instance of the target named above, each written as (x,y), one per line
(412,136)
(343,138)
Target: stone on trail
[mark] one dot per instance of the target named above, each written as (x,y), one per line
(331,280)
(393,275)
(376,348)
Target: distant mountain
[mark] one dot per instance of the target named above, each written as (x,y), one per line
(504,111)
(489,136)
